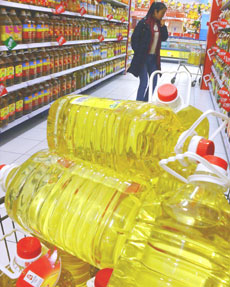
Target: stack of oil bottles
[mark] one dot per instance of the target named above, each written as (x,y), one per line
(127,185)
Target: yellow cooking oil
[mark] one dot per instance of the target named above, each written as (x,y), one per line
(185,245)
(189,115)
(127,136)
(84,209)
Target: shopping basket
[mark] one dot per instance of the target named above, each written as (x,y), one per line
(10,234)
(183,86)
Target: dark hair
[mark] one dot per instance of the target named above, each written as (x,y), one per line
(156,6)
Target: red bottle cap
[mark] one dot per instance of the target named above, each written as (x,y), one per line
(205,147)
(102,277)
(29,247)
(167,92)
(217,161)
(1,166)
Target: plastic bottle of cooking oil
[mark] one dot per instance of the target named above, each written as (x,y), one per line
(167,95)
(188,243)
(75,272)
(81,208)
(128,136)
(28,250)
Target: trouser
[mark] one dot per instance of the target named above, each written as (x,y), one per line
(148,68)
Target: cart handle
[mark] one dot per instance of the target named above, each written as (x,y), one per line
(172,72)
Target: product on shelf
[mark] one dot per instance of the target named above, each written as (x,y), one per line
(137,127)
(62,200)
(31,98)
(6,26)
(181,240)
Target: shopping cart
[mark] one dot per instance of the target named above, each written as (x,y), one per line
(183,85)
(195,60)
(10,234)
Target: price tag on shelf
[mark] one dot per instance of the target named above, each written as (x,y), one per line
(226,107)
(224,101)
(3,90)
(120,38)
(223,23)
(10,43)
(59,9)
(122,19)
(82,11)
(61,40)
(223,93)
(101,38)
(222,53)
(109,17)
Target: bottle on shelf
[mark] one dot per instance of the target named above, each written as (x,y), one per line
(9,69)
(17,27)
(2,70)
(17,67)
(4,111)
(18,95)
(6,26)
(182,239)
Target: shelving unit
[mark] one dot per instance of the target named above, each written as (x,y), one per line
(42,79)
(46,108)
(52,44)
(219,122)
(66,13)
(216,76)
(59,74)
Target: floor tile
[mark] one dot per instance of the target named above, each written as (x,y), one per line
(8,157)
(34,134)
(38,147)
(19,145)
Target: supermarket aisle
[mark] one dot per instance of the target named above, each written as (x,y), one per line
(18,144)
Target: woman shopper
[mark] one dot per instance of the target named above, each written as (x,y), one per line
(146,44)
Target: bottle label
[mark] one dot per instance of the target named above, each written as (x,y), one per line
(28,100)
(25,66)
(68,84)
(19,106)
(10,72)
(4,113)
(41,273)
(2,74)
(32,67)
(17,32)
(39,63)
(11,109)
(18,71)
(89,102)
(5,32)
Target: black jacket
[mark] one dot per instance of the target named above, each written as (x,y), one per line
(140,42)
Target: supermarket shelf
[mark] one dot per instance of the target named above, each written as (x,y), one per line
(217,76)
(225,6)
(51,10)
(52,44)
(117,3)
(223,134)
(189,41)
(25,118)
(175,49)
(59,74)
(45,108)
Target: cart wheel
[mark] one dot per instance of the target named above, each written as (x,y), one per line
(193,83)
(199,80)
(173,80)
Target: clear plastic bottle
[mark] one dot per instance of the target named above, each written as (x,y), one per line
(82,208)
(127,135)
(190,236)
(29,249)
(167,95)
